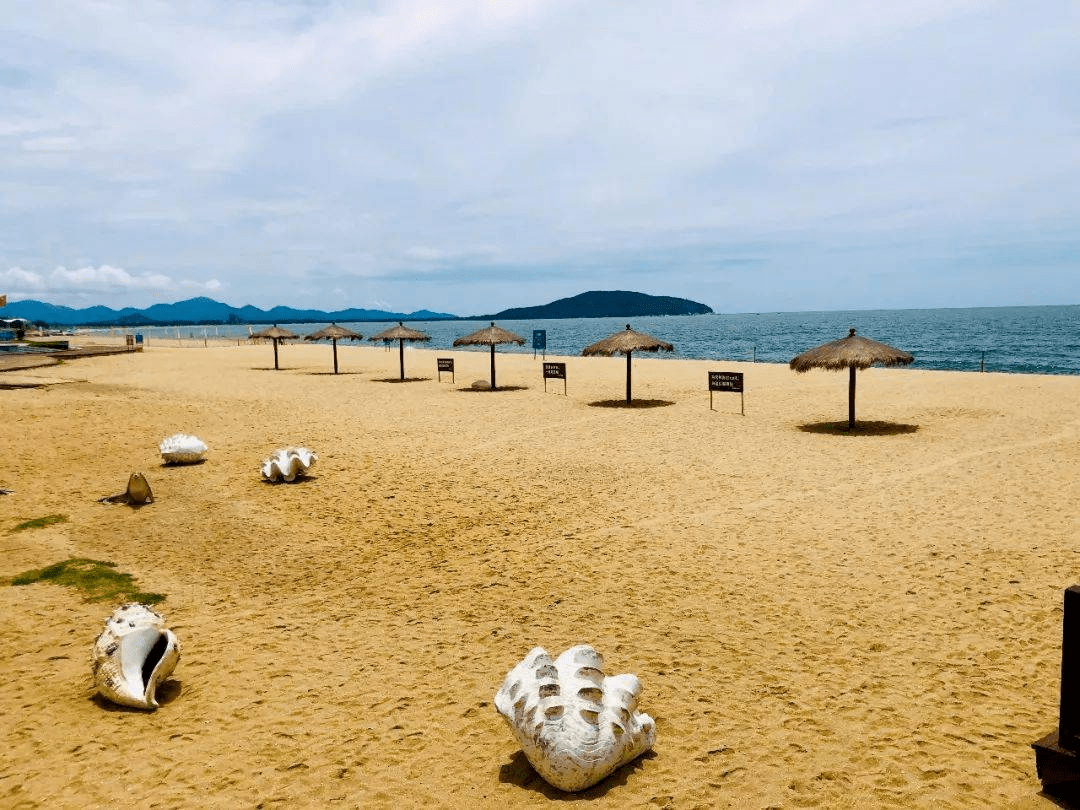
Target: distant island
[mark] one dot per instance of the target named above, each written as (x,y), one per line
(204,311)
(606,304)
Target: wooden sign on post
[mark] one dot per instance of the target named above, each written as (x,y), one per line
(445,364)
(1057,755)
(555,371)
(727,381)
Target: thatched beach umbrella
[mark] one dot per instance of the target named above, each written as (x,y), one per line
(276,334)
(627,342)
(490,337)
(334,333)
(851,353)
(400,333)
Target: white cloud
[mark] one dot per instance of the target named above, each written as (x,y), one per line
(106,277)
(20,281)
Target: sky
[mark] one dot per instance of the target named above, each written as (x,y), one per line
(467,156)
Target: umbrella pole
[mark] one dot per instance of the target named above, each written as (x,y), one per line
(628,377)
(334,341)
(401,356)
(851,400)
(275,354)
(492,366)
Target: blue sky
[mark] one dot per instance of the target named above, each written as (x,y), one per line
(476,155)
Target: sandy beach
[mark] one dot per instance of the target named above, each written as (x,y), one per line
(818,619)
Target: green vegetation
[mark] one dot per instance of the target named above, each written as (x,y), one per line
(97,579)
(41,522)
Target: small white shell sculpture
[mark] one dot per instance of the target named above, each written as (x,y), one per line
(288,464)
(133,654)
(575,725)
(182,449)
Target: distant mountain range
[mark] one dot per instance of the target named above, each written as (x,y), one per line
(197,311)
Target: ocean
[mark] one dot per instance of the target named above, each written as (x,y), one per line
(1022,340)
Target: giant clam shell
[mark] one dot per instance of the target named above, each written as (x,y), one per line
(133,654)
(181,448)
(288,464)
(575,725)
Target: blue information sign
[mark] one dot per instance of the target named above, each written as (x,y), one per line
(539,338)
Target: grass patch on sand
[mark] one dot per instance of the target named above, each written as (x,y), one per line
(98,580)
(40,523)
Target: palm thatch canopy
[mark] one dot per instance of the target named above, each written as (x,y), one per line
(334,332)
(627,342)
(852,352)
(489,337)
(275,334)
(400,333)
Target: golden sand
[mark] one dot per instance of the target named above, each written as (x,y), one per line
(818,619)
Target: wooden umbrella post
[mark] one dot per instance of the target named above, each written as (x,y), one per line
(275,340)
(851,399)
(628,377)
(401,356)
(334,341)
(492,366)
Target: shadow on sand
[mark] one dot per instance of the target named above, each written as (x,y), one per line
(333,373)
(399,380)
(634,403)
(519,772)
(490,390)
(860,429)
(165,694)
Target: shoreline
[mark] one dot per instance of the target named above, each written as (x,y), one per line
(817,620)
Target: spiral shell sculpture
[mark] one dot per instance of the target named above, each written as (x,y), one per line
(133,655)
(288,464)
(575,725)
(182,449)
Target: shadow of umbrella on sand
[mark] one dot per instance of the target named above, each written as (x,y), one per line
(334,333)
(627,342)
(276,334)
(852,352)
(490,336)
(400,333)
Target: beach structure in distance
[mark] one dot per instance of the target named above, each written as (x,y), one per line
(276,334)
(490,336)
(334,333)
(575,725)
(627,342)
(134,653)
(853,352)
(400,333)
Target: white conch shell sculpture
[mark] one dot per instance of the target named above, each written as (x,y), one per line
(574,725)
(182,449)
(288,464)
(133,654)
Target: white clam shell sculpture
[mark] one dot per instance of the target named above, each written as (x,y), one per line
(575,725)
(288,464)
(181,448)
(133,655)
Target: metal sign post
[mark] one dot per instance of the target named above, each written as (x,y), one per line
(555,371)
(539,342)
(727,381)
(445,364)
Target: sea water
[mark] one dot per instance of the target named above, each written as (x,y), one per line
(1027,340)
